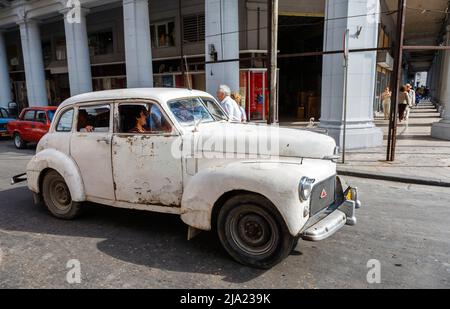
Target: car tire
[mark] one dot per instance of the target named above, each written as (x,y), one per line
(253,232)
(57,198)
(18,141)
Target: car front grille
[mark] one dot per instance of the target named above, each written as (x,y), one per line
(3,127)
(320,200)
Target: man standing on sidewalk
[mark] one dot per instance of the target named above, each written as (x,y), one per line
(228,104)
(412,96)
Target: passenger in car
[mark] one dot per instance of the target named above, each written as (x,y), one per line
(140,117)
(83,122)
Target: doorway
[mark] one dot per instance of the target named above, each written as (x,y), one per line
(300,77)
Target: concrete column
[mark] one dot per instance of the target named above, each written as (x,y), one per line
(78,59)
(442,128)
(361,131)
(222,35)
(34,63)
(5,85)
(138,51)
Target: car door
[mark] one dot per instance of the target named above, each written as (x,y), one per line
(39,127)
(145,170)
(25,126)
(90,147)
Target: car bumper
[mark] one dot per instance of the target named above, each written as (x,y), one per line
(4,134)
(329,221)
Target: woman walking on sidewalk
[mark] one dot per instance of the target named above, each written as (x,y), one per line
(386,101)
(403,101)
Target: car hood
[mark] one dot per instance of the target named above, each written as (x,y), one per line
(261,140)
(6,120)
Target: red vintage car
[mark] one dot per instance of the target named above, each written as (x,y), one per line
(32,124)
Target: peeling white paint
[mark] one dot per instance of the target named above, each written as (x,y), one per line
(141,172)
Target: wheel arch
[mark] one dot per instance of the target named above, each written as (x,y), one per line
(230,194)
(51,159)
(206,192)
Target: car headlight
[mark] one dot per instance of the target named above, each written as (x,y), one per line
(305,188)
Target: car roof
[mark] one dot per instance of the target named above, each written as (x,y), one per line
(41,108)
(157,94)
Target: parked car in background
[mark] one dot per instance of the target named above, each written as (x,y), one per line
(32,124)
(4,120)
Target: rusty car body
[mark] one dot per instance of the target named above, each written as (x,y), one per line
(260,200)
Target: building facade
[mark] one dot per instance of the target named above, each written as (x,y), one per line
(45,57)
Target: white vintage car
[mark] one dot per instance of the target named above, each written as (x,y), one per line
(174,151)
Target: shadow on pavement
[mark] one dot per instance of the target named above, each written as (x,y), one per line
(144,238)
(7,145)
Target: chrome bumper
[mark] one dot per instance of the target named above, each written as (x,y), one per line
(337,218)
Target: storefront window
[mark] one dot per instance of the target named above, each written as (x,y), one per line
(163,34)
(60,49)
(101,43)
(13,56)
(47,51)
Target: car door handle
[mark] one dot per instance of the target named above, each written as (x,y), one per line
(104,140)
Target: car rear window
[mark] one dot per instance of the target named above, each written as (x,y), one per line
(29,115)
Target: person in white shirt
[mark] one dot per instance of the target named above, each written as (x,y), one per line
(228,104)
(238,98)
(412,96)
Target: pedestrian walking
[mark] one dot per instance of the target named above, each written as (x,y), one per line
(403,101)
(386,101)
(412,95)
(228,104)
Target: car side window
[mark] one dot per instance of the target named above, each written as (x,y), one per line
(3,113)
(65,121)
(93,118)
(29,116)
(40,116)
(143,118)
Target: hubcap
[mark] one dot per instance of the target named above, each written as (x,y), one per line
(17,140)
(253,231)
(60,195)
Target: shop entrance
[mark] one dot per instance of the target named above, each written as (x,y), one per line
(300,77)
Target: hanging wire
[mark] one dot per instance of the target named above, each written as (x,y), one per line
(423,11)
(322,21)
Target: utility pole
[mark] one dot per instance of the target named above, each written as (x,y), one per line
(272,56)
(344,110)
(182,59)
(392,135)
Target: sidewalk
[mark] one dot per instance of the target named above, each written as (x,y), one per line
(419,158)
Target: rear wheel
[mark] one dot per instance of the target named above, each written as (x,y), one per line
(18,141)
(253,232)
(57,198)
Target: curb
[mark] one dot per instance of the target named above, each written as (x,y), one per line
(396,178)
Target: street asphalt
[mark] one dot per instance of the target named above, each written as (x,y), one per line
(405,227)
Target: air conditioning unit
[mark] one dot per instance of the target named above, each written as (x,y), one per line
(385,60)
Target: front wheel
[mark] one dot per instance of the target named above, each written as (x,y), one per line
(57,198)
(18,141)
(253,232)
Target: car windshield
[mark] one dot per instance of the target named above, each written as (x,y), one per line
(50,115)
(3,113)
(189,111)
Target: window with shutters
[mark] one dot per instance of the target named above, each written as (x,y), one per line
(193,28)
